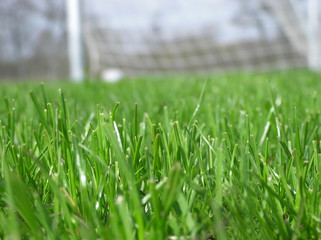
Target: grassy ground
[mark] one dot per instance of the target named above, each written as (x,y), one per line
(239,159)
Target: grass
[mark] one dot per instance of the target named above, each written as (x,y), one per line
(237,157)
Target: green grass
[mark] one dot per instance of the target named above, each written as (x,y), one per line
(162,159)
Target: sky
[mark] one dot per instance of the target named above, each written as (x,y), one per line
(174,15)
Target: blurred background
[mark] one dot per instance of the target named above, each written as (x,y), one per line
(61,39)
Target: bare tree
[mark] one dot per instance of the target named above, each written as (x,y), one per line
(23,24)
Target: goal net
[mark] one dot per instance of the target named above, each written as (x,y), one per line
(174,37)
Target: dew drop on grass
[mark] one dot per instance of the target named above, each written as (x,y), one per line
(97,205)
(83,179)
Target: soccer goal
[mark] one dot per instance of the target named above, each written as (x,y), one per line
(203,38)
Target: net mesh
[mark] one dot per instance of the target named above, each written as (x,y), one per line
(263,36)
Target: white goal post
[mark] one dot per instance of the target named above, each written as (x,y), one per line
(75,49)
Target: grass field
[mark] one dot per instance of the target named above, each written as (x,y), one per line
(233,157)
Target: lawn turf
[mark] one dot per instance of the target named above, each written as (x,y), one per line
(224,157)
